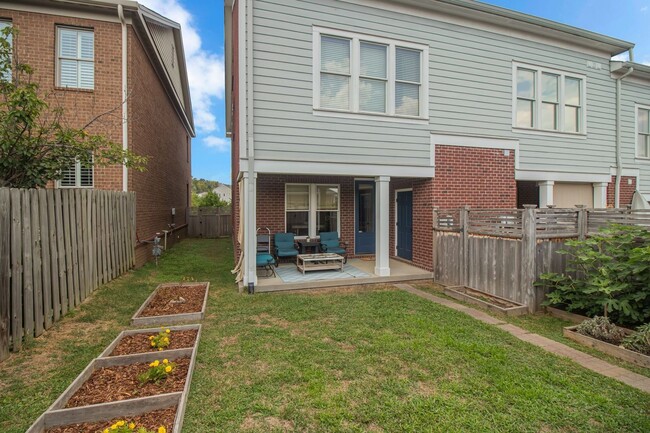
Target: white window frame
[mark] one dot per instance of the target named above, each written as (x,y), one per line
(77,178)
(77,59)
(354,111)
(313,207)
(638,107)
(3,24)
(536,129)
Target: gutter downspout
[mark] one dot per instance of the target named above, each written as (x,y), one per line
(124,97)
(252,180)
(619,160)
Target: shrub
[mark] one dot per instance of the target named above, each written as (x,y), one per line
(602,329)
(607,274)
(157,371)
(639,341)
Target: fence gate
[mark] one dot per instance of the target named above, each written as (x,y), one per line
(209,222)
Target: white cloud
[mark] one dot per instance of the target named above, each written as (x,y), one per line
(219,143)
(205,69)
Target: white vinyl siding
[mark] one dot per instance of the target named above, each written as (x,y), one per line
(548,100)
(312,208)
(363,74)
(643,132)
(77,176)
(75,58)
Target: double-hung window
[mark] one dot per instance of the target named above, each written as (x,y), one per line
(643,132)
(367,75)
(6,75)
(78,175)
(548,100)
(75,58)
(311,209)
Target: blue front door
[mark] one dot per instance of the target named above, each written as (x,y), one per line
(405,224)
(364,217)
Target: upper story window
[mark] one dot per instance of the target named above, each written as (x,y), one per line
(548,100)
(75,58)
(368,75)
(6,76)
(78,175)
(643,132)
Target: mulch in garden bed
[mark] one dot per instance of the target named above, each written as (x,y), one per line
(140,343)
(151,421)
(121,383)
(176,300)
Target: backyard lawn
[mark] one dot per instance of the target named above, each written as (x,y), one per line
(366,359)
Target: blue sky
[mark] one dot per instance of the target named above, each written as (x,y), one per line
(202,23)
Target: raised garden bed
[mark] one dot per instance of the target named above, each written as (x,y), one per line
(608,348)
(486,300)
(151,421)
(566,315)
(108,390)
(133,342)
(173,303)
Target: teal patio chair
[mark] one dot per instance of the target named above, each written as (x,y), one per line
(330,243)
(285,245)
(264,259)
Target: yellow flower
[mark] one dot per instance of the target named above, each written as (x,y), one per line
(114,427)
(156,363)
(151,365)
(167,331)
(168,368)
(153,344)
(166,340)
(151,337)
(159,349)
(165,361)
(131,426)
(105,430)
(120,423)
(162,429)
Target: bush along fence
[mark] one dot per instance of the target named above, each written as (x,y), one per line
(56,247)
(209,222)
(504,251)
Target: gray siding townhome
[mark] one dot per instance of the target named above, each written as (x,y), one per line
(359,116)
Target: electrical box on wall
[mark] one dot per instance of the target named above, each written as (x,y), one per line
(173,211)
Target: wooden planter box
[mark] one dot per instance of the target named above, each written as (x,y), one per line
(565,315)
(486,300)
(138,320)
(58,415)
(608,348)
(186,351)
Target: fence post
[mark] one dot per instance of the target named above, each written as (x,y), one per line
(434,237)
(464,246)
(528,252)
(582,222)
(5,230)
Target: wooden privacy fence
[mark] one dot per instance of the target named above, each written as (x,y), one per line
(209,222)
(504,251)
(56,247)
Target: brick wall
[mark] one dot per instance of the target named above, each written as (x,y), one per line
(478,177)
(156,130)
(154,127)
(627,191)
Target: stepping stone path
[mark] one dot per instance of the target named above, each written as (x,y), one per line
(587,361)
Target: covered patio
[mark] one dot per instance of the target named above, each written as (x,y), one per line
(355,271)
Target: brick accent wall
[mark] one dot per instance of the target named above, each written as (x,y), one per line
(627,191)
(478,177)
(154,127)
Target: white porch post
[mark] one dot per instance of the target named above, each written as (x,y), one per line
(382,199)
(546,193)
(600,195)
(250,229)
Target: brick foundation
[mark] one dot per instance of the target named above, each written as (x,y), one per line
(627,191)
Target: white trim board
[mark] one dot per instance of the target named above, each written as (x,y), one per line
(561,176)
(338,169)
(485,142)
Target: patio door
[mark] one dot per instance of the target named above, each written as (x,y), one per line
(364,217)
(405,224)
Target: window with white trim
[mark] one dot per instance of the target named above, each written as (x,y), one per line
(643,132)
(6,76)
(368,75)
(78,175)
(75,58)
(548,100)
(311,209)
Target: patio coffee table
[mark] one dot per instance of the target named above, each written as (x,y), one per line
(319,262)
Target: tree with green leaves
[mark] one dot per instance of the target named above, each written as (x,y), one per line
(36,144)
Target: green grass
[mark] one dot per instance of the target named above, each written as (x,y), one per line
(331,361)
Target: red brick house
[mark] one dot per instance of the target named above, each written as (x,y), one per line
(360,116)
(117,57)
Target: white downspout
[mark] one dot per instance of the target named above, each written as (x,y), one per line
(124,97)
(619,160)
(252,177)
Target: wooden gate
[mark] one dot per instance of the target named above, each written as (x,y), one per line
(209,222)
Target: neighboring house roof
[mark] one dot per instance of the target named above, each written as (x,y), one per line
(222,189)
(639,70)
(162,39)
